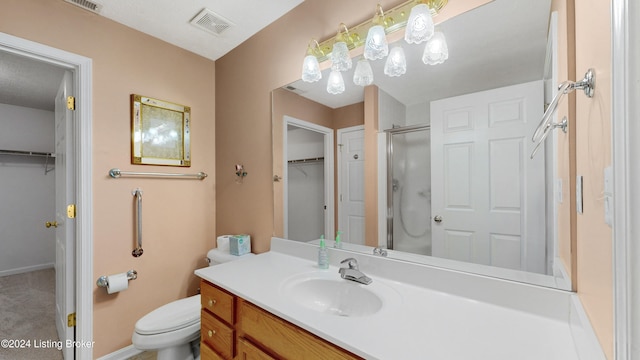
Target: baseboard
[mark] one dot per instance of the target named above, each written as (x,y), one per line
(584,338)
(26,269)
(122,354)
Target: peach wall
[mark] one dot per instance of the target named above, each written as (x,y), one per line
(593,125)
(244,109)
(296,106)
(371,165)
(178,214)
(287,103)
(566,142)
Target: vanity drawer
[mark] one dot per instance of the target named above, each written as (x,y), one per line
(278,336)
(216,334)
(217,301)
(248,351)
(206,353)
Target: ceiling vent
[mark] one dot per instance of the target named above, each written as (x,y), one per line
(211,22)
(87,5)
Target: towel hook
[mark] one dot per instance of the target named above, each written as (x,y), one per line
(587,84)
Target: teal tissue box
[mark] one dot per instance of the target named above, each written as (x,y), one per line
(240,244)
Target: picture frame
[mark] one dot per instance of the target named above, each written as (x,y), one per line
(160,132)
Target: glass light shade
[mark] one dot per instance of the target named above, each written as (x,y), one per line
(363,75)
(340,59)
(311,69)
(420,25)
(396,64)
(436,51)
(376,46)
(335,84)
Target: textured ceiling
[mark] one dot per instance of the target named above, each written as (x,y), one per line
(27,82)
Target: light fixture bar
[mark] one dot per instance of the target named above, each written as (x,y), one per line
(395,19)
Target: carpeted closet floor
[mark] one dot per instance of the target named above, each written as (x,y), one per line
(27,312)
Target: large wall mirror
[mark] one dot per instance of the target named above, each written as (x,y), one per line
(457,185)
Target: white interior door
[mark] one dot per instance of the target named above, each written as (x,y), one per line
(488,197)
(65,232)
(351,184)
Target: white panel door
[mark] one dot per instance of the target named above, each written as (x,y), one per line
(488,197)
(351,185)
(65,232)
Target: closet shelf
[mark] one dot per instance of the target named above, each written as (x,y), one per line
(303,161)
(44,155)
(26,153)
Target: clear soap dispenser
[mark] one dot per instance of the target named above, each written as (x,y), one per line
(338,243)
(323,255)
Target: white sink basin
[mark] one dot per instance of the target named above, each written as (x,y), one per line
(326,292)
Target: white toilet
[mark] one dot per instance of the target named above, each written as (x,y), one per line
(173,330)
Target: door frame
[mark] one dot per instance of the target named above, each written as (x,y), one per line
(329,189)
(340,207)
(81,67)
(626,205)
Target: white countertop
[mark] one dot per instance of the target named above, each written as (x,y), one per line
(422,322)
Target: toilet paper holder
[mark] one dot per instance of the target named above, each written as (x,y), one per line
(103,282)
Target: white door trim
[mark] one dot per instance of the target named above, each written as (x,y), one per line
(82,68)
(626,204)
(329,189)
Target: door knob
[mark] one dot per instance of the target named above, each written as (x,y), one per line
(49,224)
(437,219)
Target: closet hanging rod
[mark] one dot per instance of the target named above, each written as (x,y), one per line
(25,153)
(116,173)
(309,160)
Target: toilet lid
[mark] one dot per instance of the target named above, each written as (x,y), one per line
(172,316)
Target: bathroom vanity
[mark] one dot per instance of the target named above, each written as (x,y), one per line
(279,305)
(230,321)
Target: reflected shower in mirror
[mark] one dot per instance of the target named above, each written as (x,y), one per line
(456,186)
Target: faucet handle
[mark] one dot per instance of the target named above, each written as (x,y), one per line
(351,262)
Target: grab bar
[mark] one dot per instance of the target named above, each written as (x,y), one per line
(588,84)
(137,252)
(116,173)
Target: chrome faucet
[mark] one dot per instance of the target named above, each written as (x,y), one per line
(352,273)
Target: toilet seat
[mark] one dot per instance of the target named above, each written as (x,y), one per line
(170,317)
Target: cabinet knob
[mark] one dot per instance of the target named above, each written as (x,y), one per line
(212,302)
(211,333)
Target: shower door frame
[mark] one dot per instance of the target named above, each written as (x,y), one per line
(390,133)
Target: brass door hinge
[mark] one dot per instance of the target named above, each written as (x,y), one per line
(71,211)
(71,102)
(71,320)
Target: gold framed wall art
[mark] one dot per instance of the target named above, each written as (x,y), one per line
(160,132)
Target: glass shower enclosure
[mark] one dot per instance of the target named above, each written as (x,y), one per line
(409,189)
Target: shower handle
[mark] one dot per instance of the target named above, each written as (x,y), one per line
(437,219)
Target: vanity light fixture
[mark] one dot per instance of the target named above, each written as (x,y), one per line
(340,59)
(363,75)
(414,16)
(310,65)
(396,64)
(436,51)
(335,84)
(376,47)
